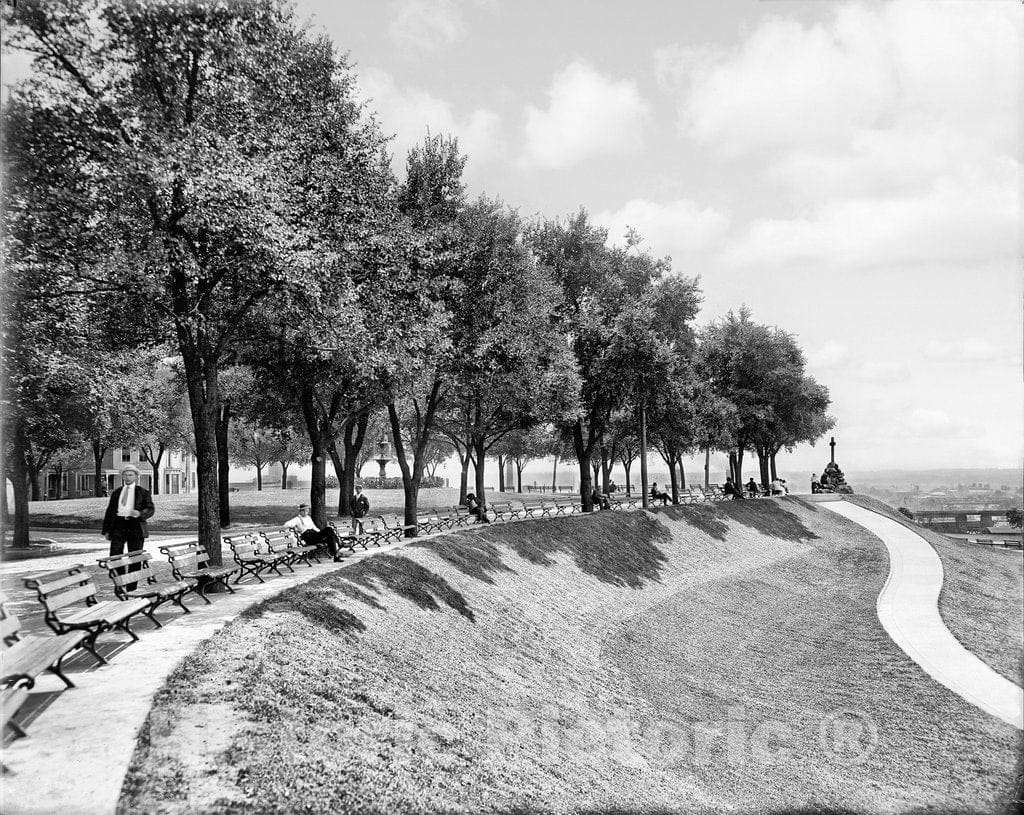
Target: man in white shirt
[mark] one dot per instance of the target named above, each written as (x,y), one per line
(310,533)
(778,487)
(124,523)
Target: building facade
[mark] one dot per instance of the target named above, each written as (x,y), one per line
(177,474)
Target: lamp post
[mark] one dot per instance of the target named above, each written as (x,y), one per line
(383,456)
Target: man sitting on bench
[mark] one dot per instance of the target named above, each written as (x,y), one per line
(309,532)
(476,508)
(752,489)
(730,489)
(600,499)
(659,495)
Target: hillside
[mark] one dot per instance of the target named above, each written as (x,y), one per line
(693,659)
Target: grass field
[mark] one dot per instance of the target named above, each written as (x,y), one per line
(982,595)
(177,513)
(699,659)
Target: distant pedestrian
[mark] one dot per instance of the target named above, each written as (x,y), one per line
(752,489)
(778,487)
(309,533)
(360,506)
(124,523)
(815,486)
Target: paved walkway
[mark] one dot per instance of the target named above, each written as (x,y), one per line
(908,610)
(81,740)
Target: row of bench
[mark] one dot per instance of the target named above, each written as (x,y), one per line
(78,618)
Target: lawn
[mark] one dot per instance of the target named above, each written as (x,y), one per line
(177,513)
(696,659)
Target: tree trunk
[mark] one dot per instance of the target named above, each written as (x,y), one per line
(771,460)
(479,454)
(643,455)
(33,480)
(318,482)
(259,476)
(58,471)
(98,451)
(738,476)
(501,472)
(20,482)
(463,475)
(673,480)
(583,453)
(339,473)
(223,462)
(204,403)
(627,465)
(596,467)
(707,468)
(353,439)
(410,483)
(682,475)
(607,462)
(284,474)
(554,475)
(519,476)
(763,467)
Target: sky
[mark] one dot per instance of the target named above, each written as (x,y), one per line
(849,171)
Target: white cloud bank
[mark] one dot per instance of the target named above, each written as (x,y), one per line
(408,113)
(588,115)
(891,132)
(678,228)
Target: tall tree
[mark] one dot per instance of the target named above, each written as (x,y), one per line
(168,125)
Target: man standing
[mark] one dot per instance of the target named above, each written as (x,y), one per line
(125,519)
(309,533)
(360,506)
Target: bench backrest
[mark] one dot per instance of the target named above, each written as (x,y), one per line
(184,557)
(10,625)
(115,562)
(246,545)
(279,540)
(63,587)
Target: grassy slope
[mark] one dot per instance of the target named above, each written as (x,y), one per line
(178,512)
(982,594)
(572,665)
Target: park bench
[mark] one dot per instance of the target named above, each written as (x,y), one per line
(433,520)
(351,539)
(536,506)
(285,542)
(118,567)
(503,510)
(692,495)
(25,657)
(396,527)
(567,504)
(254,557)
(62,589)
(191,561)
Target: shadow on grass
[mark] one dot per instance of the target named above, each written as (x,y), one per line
(404,577)
(770,518)
(473,556)
(705,518)
(314,602)
(618,549)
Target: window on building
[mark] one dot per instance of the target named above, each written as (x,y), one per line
(126,454)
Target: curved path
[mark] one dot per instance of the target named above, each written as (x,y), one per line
(908,611)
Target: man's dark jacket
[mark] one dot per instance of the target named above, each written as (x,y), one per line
(360,505)
(143,503)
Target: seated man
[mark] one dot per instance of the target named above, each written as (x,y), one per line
(476,508)
(308,532)
(600,500)
(730,489)
(657,494)
(752,489)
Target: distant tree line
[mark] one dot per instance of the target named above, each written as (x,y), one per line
(205,245)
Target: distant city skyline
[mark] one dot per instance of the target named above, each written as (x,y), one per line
(849,171)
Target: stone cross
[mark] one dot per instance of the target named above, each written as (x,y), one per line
(832,444)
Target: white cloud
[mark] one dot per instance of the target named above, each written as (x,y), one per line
(426,25)
(793,86)
(881,371)
(968,349)
(830,355)
(409,112)
(678,228)
(958,220)
(588,114)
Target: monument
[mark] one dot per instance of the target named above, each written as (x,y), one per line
(832,479)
